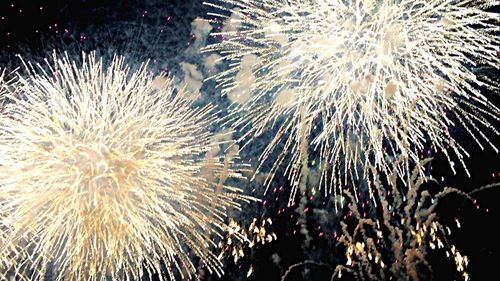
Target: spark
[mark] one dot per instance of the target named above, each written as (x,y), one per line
(359,82)
(102,175)
(250,271)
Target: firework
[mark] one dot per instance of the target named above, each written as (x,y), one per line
(102,175)
(238,239)
(349,84)
(391,242)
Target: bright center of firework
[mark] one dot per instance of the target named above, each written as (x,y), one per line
(358,49)
(97,173)
(102,169)
(362,49)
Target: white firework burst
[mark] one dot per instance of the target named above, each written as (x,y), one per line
(104,174)
(358,81)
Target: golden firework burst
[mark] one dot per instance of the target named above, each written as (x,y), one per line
(102,175)
(349,84)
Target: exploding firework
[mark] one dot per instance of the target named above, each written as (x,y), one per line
(349,84)
(102,175)
(391,241)
(239,240)
(396,239)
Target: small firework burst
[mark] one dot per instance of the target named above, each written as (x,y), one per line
(391,241)
(102,175)
(238,238)
(359,82)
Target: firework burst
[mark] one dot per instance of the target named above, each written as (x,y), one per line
(391,241)
(239,241)
(102,175)
(358,82)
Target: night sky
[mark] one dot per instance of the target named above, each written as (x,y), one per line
(162,31)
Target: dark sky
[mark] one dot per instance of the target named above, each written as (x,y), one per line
(161,30)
